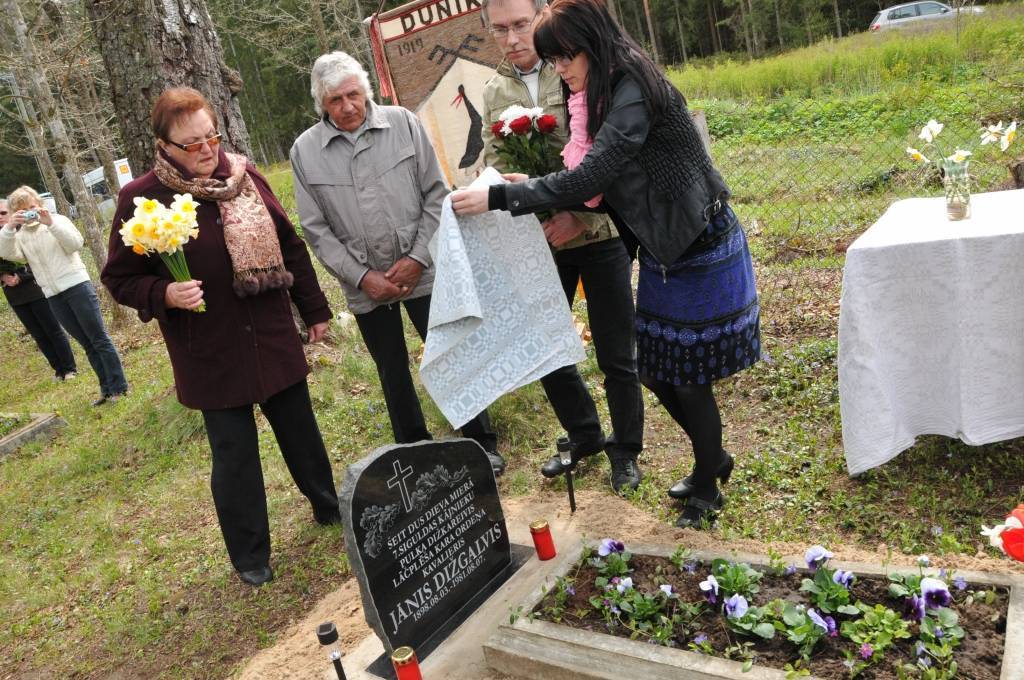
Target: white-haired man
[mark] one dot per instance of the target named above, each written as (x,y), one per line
(368,189)
(587,247)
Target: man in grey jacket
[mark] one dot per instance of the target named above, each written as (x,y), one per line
(369,189)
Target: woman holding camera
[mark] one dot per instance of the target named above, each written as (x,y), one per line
(49,243)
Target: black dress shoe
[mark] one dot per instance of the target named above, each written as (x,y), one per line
(577,452)
(699,513)
(257,577)
(685,487)
(625,473)
(497,463)
(327,517)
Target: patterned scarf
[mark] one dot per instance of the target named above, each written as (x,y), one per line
(249,230)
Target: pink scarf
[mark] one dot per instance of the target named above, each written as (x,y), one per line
(579,141)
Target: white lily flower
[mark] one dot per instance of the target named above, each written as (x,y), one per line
(994,535)
(959,156)
(917,155)
(1008,136)
(931,130)
(992,134)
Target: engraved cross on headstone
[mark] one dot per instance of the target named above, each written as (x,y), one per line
(401,474)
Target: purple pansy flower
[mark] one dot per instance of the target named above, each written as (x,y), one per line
(935,593)
(923,561)
(690,566)
(843,578)
(790,570)
(570,590)
(960,582)
(624,585)
(700,639)
(816,556)
(919,649)
(866,651)
(936,531)
(817,620)
(609,546)
(736,606)
(833,629)
(666,588)
(710,588)
(913,608)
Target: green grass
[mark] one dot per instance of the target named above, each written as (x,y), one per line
(111,555)
(865,62)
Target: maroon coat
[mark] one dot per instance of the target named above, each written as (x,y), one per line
(241,350)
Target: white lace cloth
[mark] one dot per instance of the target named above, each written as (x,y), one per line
(931,328)
(498,314)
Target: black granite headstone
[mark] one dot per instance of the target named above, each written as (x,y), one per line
(425,536)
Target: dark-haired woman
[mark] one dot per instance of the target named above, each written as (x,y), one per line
(697,311)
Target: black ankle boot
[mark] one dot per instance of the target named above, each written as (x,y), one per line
(684,487)
(625,472)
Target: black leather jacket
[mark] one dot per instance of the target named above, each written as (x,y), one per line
(657,179)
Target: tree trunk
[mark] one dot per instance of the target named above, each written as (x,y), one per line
(318,26)
(682,37)
(37,141)
(839,25)
(778,26)
(148,47)
(755,34)
(745,25)
(613,10)
(39,89)
(650,29)
(807,27)
(716,36)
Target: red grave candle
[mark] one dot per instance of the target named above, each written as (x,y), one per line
(406,665)
(542,540)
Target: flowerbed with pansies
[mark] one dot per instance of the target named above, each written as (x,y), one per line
(930,624)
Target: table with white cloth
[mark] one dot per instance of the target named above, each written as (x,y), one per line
(931,328)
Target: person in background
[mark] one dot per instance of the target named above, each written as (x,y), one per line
(29,304)
(50,243)
(586,246)
(697,307)
(249,264)
(368,189)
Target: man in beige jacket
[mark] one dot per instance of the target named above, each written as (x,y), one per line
(369,189)
(586,246)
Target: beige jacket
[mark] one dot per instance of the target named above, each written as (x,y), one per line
(365,206)
(52,252)
(505,89)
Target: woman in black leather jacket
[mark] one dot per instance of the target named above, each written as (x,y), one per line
(697,309)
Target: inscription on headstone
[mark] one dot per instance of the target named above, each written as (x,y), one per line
(425,535)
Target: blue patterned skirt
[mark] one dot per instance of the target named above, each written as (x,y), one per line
(698,319)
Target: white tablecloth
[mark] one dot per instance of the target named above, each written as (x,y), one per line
(498,314)
(931,328)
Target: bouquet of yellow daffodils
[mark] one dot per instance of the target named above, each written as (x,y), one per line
(156,228)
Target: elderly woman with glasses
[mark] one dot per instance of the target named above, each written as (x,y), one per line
(249,266)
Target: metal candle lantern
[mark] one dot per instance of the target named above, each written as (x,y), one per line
(564,448)
(327,634)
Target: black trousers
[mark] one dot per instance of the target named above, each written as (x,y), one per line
(50,338)
(237,476)
(384,336)
(605,269)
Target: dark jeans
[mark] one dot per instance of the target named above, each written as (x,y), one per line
(236,478)
(605,269)
(384,336)
(44,328)
(78,310)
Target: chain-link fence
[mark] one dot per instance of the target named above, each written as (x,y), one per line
(809,175)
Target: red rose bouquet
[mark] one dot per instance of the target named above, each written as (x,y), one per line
(521,139)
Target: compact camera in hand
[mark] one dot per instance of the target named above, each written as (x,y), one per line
(30,215)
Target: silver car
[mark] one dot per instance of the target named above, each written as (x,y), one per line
(914,12)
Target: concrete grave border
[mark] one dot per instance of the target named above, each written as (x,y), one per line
(41,425)
(541,650)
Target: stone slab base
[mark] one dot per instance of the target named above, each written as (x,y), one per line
(41,425)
